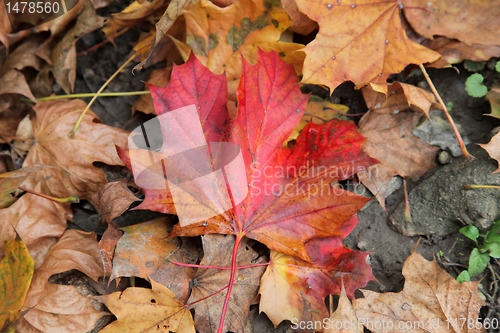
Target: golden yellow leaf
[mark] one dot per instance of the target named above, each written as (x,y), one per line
(16,271)
(147,310)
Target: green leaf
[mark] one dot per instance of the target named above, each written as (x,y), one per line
(492,235)
(463,277)
(16,271)
(494,249)
(475,87)
(470,231)
(478,262)
(474,66)
(449,105)
(497,66)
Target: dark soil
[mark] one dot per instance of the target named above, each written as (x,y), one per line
(374,233)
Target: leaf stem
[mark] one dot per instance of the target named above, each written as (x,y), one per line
(231,282)
(71,198)
(476,186)
(77,124)
(85,95)
(448,116)
(204,298)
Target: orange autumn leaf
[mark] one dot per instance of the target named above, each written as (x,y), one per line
(147,310)
(16,271)
(366,45)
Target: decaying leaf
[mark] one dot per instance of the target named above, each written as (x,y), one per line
(395,97)
(344,319)
(112,200)
(208,285)
(455,19)
(145,251)
(93,142)
(61,308)
(431,301)
(16,271)
(147,310)
(366,45)
(390,139)
(294,290)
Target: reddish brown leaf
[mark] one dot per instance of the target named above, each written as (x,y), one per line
(107,245)
(112,200)
(208,291)
(145,251)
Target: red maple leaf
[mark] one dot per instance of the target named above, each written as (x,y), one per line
(291,206)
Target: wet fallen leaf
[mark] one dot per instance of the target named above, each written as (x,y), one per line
(455,19)
(344,319)
(430,298)
(395,97)
(37,220)
(16,271)
(93,142)
(294,290)
(366,45)
(390,140)
(145,251)
(112,200)
(147,310)
(208,285)
(61,308)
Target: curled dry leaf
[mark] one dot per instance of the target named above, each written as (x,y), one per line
(453,51)
(430,298)
(147,310)
(395,97)
(112,200)
(209,285)
(457,19)
(61,308)
(16,271)
(339,51)
(145,251)
(493,149)
(93,142)
(344,319)
(37,220)
(390,139)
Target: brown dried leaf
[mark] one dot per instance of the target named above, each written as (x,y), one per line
(456,19)
(107,245)
(36,220)
(10,117)
(453,51)
(10,182)
(145,251)
(430,297)
(61,308)
(13,82)
(493,149)
(396,97)
(390,140)
(147,310)
(93,142)
(112,200)
(208,282)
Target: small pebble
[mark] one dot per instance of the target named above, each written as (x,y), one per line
(444,157)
